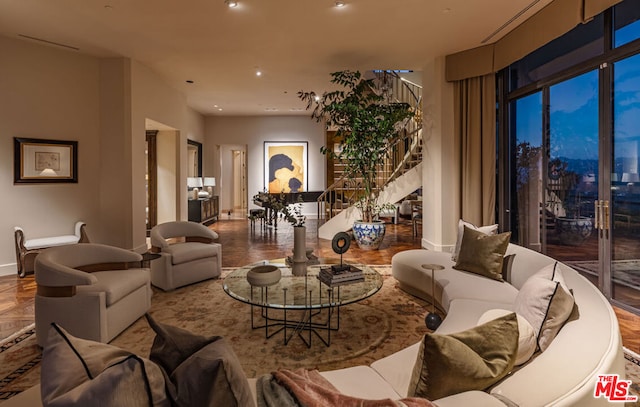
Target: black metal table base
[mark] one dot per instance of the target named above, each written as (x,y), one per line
(305,327)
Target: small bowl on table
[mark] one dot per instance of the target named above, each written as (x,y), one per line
(265,275)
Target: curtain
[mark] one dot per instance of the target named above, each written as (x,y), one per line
(475,132)
(551,22)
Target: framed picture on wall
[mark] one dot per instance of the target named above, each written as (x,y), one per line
(285,166)
(44,161)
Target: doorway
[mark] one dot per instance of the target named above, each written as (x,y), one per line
(239,181)
(233,180)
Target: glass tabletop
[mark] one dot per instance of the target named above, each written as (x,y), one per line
(300,292)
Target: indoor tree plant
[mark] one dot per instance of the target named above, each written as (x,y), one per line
(366,124)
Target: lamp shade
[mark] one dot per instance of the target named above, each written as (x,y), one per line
(194,182)
(209,181)
(630,177)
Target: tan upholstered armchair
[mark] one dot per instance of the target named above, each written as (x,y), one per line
(92,290)
(188,254)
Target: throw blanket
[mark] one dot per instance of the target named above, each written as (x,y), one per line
(308,388)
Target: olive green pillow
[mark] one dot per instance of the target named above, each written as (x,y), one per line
(473,359)
(482,254)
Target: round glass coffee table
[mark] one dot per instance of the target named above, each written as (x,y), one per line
(300,304)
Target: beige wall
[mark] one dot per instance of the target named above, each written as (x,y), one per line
(50,93)
(152,98)
(47,94)
(253,132)
(441,190)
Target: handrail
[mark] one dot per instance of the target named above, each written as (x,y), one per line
(403,152)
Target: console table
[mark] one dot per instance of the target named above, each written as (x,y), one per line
(204,210)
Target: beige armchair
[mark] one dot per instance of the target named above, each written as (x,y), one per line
(188,254)
(92,290)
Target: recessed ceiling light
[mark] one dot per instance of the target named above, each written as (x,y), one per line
(258,73)
(231,3)
(219,109)
(340,3)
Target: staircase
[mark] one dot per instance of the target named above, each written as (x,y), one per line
(398,176)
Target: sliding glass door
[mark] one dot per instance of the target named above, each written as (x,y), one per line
(625,184)
(572,132)
(571,182)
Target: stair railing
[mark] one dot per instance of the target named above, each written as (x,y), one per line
(403,152)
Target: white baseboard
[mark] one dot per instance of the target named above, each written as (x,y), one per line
(436,247)
(10,269)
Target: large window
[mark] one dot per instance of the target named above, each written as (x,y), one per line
(572,126)
(626,19)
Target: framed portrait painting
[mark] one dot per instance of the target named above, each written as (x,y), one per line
(285,166)
(44,161)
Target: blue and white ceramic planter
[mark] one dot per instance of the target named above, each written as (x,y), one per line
(369,235)
(573,231)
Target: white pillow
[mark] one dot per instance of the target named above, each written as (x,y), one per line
(546,302)
(487,230)
(526,337)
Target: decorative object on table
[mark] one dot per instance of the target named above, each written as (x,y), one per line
(285,166)
(433,320)
(195,184)
(367,120)
(340,244)
(348,275)
(293,215)
(262,276)
(44,161)
(209,183)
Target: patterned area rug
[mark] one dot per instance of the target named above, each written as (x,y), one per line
(625,272)
(632,369)
(379,326)
(387,322)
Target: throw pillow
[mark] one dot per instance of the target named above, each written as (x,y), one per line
(507,265)
(546,302)
(526,334)
(77,372)
(469,360)
(488,230)
(202,371)
(482,254)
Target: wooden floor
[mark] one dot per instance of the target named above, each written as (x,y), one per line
(242,245)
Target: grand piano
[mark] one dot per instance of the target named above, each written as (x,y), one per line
(284,198)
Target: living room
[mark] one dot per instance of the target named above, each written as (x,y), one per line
(104,102)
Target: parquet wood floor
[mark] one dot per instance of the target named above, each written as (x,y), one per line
(242,245)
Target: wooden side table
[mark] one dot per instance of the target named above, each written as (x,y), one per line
(147,257)
(433,320)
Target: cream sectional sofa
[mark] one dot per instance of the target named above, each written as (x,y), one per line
(563,375)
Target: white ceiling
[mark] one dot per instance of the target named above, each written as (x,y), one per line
(295,43)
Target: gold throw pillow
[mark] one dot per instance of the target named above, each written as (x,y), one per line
(469,360)
(482,254)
